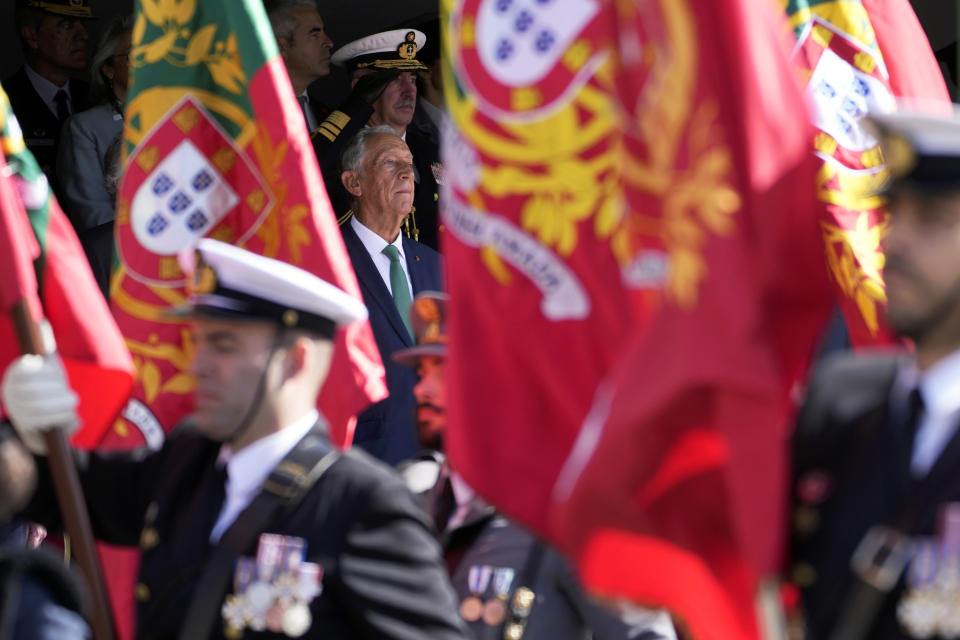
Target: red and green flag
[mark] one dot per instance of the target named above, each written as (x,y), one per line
(215,145)
(44,265)
(858,57)
(636,279)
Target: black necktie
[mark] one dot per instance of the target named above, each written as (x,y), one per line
(911,422)
(213,494)
(445,505)
(63,105)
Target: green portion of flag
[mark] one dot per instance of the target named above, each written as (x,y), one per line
(215,47)
(34,188)
(848,15)
(793,6)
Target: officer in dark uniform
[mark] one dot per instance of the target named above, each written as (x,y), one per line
(249,522)
(43,93)
(510,585)
(877,451)
(383,70)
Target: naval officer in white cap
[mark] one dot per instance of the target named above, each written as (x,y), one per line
(383,71)
(247,519)
(877,447)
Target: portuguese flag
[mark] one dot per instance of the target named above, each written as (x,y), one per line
(630,190)
(858,57)
(215,145)
(43,264)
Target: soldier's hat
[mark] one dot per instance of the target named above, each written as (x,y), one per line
(227,282)
(921,146)
(70,8)
(428,317)
(393,50)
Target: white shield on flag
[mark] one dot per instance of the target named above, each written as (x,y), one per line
(181,200)
(520,41)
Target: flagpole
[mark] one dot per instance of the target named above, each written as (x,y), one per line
(66,483)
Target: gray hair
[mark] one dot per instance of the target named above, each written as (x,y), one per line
(100,85)
(281,19)
(352,157)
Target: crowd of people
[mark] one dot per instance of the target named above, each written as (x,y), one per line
(257,525)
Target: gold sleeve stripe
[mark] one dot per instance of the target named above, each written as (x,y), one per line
(326,134)
(338,119)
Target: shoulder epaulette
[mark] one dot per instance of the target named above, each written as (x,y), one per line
(332,126)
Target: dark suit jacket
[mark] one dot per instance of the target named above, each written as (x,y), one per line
(852,469)
(41,129)
(333,134)
(385,430)
(382,574)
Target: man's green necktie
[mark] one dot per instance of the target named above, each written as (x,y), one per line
(398,283)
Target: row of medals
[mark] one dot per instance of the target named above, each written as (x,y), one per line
(273,592)
(930,605)
(494,610)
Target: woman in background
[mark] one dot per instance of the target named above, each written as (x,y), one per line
(83,147)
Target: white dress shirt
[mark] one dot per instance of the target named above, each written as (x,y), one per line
(375,245)
(48,91)
(249,467)
(940,388)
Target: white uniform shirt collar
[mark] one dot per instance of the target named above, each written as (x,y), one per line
(249,467)
(375,245)
(940,388)
(46,89)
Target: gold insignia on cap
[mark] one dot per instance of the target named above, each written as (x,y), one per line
(204,278)
(142,592)
(290,318)
(899,154)
(408,49)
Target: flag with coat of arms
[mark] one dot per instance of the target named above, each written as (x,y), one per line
(629,185)
(858,57)
(215,145)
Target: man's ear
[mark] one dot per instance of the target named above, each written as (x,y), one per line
(284,48)
(351,182)
(29,35)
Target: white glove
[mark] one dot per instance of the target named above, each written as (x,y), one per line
(36,397)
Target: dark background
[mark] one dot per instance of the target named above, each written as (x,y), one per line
(347,20)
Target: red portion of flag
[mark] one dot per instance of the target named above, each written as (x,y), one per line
(356,377)
(683,453)
(914,72)
(18,250)
(97,362)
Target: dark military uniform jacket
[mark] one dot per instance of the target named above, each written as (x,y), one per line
(381,570)
(490,558)
(852,472)
(336,131)
(41,129)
